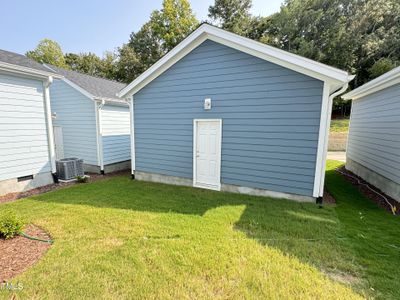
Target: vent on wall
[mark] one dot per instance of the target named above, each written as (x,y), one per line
(24,178)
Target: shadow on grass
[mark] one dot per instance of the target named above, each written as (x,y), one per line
(299,229)
(334,239)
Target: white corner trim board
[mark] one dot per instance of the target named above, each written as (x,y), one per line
(99,137)
(322,151)
(49,123)
(132,127)
(384,81)
(314,69)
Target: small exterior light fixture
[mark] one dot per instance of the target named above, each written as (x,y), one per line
(54,115)
(207,103)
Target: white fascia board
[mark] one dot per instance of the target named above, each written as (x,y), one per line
(169,59)
(78,88)
(300,64)
(15,69)
(92,97)
(384,81)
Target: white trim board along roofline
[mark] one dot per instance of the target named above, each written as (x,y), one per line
(384,81)
(7,67)
(335,77)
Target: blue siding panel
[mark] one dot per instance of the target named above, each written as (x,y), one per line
(374,135)
(270,118)
(76,115)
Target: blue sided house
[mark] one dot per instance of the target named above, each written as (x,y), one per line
(224,112)
(90,122)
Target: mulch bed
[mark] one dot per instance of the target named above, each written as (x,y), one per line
(369,194)
(19,253)
(55,186)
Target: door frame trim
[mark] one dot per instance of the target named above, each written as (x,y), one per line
(195,183)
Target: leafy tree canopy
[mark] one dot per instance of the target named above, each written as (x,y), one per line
(48,51)
(232,15)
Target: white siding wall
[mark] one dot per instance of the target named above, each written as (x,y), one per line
(115,131)
(77,118)
(23,138)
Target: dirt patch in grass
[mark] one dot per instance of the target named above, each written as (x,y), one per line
(55,186)
(19,253)
(328,198)
(343,277)
(379,200)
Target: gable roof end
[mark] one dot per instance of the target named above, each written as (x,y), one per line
(384,81)
(93,87)
(303,65)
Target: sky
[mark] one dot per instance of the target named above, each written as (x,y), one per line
(87,25)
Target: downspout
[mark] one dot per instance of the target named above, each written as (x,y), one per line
(325,147)
(49,124)
(132,131)
(99,135)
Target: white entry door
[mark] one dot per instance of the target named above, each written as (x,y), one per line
(58,142)
(207,154)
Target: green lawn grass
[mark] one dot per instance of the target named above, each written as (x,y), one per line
(339,125)
(119,239)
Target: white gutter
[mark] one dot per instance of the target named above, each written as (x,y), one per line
(49,123)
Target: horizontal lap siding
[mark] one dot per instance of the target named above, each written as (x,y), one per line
(76,115)
(270,119)
(374,137)
(115,129)
(23,134)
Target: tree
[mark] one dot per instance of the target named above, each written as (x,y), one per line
(165,29)
(128,65)
(88,63)
(48,51)
(91,64)
(348,34)
(232,15)
(173,23)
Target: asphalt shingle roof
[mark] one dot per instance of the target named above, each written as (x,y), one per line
(21,60)
(98,87)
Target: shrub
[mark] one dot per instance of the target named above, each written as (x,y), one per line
(10,224)
(82,179)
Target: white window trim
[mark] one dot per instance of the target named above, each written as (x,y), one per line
(195,183)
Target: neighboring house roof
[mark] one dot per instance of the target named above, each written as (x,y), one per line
(335,77)
(93,87)
(18,63)
(384,81)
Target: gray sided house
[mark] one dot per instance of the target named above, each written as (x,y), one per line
(90,121)
(26,143)
(227,113)
(373,147)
